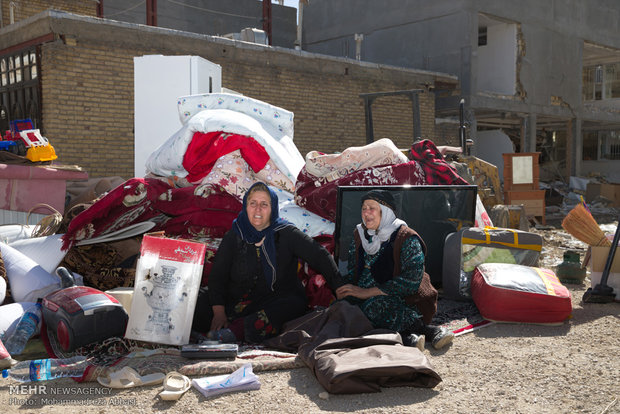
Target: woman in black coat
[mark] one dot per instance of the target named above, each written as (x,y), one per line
(253,286)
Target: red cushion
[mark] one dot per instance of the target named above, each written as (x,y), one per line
(515,293)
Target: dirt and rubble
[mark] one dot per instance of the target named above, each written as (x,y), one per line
(505,368)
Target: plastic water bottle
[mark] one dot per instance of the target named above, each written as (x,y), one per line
(25,329)
(47,369)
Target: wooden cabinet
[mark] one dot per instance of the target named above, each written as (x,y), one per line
(521,179)
(533,201)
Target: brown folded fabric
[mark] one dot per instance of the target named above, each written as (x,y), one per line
(347,356)
(367,363)
(105,265)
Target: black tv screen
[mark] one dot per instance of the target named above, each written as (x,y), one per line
(434,211)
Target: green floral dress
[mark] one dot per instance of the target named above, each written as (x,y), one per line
(389,311)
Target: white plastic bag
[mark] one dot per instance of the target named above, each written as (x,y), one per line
(242,379)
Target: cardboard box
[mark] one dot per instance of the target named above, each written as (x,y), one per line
(168,277)
(611,192)
(123,295)
(597,265)
(533,201)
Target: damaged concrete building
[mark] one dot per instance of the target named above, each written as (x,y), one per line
(535,76)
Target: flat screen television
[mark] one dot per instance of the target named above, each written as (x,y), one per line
(434,211)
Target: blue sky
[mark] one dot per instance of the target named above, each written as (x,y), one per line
(290,3)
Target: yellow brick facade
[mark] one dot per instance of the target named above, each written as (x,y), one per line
(87,107)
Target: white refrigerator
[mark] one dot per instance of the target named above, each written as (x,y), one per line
(158,82)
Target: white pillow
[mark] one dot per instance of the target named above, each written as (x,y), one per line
(45,251)
(9,316)
(280,119)
(28,280)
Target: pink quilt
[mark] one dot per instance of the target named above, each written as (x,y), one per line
(234,174)
(329,167)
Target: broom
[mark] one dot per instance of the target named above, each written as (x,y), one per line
(580,224)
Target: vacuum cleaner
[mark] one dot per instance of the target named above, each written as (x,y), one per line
(80,315)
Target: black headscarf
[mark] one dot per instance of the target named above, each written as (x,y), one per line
(383,197)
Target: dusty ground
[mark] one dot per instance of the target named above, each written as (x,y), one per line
(503,368)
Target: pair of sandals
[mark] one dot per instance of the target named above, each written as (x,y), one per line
(175,384)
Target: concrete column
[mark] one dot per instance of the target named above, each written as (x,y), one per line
(359,38)
(530,144)
(569,149)
(576,154)
(523,140)
(528,133)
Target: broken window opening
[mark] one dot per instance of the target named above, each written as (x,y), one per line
(601,82)
(482,36)
(601,145)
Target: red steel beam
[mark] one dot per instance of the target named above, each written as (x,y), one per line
(267,18)
(151,12)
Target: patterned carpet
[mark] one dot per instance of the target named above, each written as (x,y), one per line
(460,317)
(146,358)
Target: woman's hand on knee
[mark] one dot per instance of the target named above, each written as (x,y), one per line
(219,320)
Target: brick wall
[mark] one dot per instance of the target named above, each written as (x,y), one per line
(87,93)
(87,107)
(329,114)
(26,8)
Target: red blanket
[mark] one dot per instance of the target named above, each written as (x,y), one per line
(320,197)
(436,169)
(205,149)
(188,212)
(427,166)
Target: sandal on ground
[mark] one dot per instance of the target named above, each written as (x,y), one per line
(441,338)
(414,341)
(175,385)
(128,377)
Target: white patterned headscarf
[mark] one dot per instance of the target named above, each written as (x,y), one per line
(372,239)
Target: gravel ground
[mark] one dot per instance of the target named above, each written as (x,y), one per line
(503,368)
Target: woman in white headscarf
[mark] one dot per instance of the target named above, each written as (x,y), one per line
(385,268)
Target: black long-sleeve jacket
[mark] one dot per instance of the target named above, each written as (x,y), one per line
(236,270)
